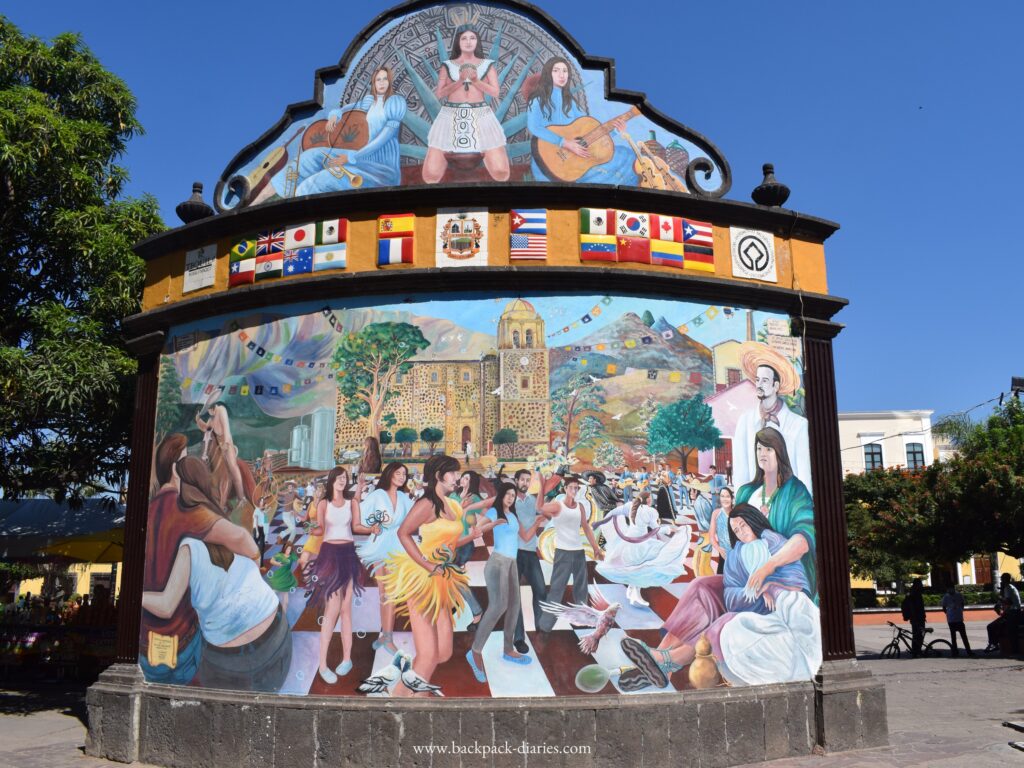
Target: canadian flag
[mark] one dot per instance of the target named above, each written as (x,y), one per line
(299,236)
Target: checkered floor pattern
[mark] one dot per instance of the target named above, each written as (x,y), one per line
(556,655)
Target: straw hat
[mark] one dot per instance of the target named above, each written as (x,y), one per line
(697,485)
(754,354)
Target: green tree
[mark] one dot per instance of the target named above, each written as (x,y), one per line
(385,439)
(648,318)
(406,436)
(66,380)
(431,436)
(370,360)
(582,395)
(505,436)
(888,521)
(170,415)
(682,427)
(607,454)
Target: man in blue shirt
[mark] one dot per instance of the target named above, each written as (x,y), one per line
(526,559)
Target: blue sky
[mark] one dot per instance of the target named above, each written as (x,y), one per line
(901,121)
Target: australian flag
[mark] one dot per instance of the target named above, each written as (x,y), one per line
(298,261)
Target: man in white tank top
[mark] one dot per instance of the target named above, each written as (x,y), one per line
(568,515)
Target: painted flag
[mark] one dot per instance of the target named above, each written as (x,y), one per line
(667,228)
(533,221)
(269,266)
(698,245)
(394,250)
(668,334)
(611,368)
(636,250)
(652,374)
(629,343)
(596,311)
(606,300)
(331,231)
(597,247)
(242,271)
(712,313)
(675,377)
(329,257)
(244,391)
(667,253)
(632,224)
(597,221)
(696,378)
(647,340)
(271,241)
(396,225)
(298,261)
(528,247)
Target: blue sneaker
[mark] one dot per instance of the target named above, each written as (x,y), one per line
(517,659)
(344,668)
(477,672)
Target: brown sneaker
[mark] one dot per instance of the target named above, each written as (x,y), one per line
(641,655)
(633,679)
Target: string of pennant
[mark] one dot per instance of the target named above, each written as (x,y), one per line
(255,390)
(586,318)
(668,334)
(653,374)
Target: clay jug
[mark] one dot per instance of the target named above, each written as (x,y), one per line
(704,669)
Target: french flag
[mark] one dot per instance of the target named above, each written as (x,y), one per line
(394,250)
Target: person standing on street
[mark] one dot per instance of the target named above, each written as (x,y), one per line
(913,611)
(953,605)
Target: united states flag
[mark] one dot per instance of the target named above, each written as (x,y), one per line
(271,241)
(528,246)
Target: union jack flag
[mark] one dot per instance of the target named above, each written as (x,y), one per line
(271,241)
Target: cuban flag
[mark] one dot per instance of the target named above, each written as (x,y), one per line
(533,221)
(394,250)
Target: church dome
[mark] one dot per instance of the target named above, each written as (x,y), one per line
(519,308)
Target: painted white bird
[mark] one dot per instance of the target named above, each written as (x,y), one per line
(384,678)
(574,393)
(601,616)
(617,416)
(732,407)
(594,378)
(496,391)
(417,684)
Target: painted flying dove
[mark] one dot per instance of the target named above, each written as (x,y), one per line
(601,616)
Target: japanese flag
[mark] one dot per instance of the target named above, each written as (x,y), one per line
(299,236)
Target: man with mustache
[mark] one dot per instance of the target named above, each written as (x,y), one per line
(773,376)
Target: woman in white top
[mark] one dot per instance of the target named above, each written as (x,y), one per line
(568,515)
(246,641)
(337,573)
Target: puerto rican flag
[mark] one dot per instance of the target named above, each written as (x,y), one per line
(270,242)
(528,247)
(698,233)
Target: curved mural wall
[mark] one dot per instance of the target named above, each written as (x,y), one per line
(462,93)
(481,495)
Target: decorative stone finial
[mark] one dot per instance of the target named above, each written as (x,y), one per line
(195,208)
(770,192)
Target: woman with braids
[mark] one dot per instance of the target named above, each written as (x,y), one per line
(786,503)
(554,103)
(246,641)
(422,581)
(639,550)
(337,573)
(386,506)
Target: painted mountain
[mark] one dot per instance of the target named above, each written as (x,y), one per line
(448,341)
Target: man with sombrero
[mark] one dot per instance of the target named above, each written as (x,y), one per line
(773,376)
(601,496)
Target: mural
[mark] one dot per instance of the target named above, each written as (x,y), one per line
(391,498)
(467,92)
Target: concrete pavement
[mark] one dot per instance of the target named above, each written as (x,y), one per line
(942,713)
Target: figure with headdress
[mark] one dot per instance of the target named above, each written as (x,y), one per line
(773,376)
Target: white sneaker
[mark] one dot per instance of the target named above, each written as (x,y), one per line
(635,598)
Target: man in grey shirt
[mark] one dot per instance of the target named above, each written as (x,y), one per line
(526,559)
(953,605)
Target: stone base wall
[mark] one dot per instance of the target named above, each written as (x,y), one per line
(190,727)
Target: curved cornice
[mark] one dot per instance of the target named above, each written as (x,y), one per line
(780,221)
(605,65)
(813,310)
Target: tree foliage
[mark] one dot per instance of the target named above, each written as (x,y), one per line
(406,436)
(608,454)
(682,427)
(69,272)
(505,436)
(370,360)
(576,401)
(431,436)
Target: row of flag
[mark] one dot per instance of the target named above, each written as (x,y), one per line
(608,234)
(653,374)
(295,250)
(255,390)
(586,318)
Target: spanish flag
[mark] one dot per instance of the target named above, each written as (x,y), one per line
(396,225)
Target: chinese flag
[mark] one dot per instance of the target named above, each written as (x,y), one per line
(634,249)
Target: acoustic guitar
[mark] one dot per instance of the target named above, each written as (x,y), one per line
(559,164)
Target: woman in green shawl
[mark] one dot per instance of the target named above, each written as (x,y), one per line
(787,504)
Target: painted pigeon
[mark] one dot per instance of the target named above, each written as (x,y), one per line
(601,616)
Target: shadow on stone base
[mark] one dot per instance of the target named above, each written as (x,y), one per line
(189,727)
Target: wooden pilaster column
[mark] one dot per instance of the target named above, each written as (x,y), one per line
(829,514)
(129,613)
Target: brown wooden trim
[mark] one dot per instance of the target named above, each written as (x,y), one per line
(137,512)
(829,513)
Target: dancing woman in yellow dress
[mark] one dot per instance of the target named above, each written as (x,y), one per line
(423,582)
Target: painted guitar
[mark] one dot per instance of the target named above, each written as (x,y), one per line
(559,164)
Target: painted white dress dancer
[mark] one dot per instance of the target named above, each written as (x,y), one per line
(640,551)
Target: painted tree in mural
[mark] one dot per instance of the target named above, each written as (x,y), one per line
(70,275)
(608,454)
(683,427)
(431,436)
(405,437)
(574,405)
(369,361)
(170,416)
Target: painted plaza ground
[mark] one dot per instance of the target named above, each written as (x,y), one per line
(945,713)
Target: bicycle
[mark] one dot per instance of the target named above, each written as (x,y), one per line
(902,635)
